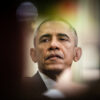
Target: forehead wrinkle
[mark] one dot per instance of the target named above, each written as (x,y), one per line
(49,27)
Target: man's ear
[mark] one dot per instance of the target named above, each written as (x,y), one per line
(33,54)
(78,53)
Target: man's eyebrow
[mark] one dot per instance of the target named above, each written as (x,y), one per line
(45,35)
(63,34)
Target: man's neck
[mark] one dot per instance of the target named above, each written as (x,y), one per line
(53,74)
(48,81)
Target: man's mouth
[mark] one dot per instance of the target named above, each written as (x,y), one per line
(52,56)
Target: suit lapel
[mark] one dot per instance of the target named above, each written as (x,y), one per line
(38,83)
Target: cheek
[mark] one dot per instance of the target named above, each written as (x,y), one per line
(41,52)
(68,51)
(68,45)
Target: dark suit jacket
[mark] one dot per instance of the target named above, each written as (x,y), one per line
(32,87)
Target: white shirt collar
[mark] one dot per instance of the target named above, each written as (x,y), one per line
(48,81)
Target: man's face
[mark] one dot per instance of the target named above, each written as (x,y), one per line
(55,45)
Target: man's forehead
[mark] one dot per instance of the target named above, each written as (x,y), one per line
(54,26)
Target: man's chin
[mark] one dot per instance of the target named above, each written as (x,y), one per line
(52,72)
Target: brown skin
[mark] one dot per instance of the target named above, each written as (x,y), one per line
(55,48)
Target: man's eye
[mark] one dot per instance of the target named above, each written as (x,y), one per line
(44,40)
(63,39)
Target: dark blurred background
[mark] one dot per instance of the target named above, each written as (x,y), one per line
(11,46)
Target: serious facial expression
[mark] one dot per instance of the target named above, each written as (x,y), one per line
(55,44)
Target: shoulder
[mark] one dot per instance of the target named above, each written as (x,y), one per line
(29,82)
(32,86)
(28,87)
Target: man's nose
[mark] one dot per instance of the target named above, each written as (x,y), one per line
(54,45)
